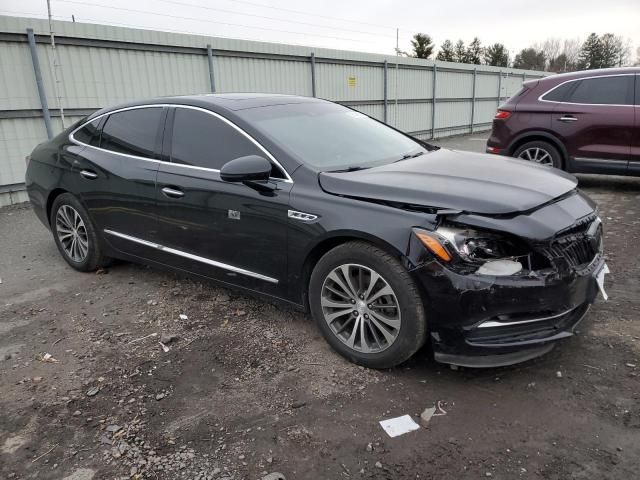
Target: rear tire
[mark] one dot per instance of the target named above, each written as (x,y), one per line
(367,306)
(75,235)
(540,152)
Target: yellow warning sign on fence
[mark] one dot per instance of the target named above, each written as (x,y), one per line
(351,81)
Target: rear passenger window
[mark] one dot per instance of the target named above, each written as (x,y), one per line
(604,90)
(202,140)
(89,134)
(133,132)
(560,93)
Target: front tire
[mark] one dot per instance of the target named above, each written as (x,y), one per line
(367,306)
(540,152)
(74,234)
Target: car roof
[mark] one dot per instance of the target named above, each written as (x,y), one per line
(594,73)
(218,101)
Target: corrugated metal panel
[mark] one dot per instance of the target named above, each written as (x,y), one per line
(454,84)
(18,137)
(484,111)
(349,82)
(452,114)
(410,117)
(486,86)
(17,82)
(98,77)
(258,75)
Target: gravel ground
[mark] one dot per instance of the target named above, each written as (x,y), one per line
(246,388)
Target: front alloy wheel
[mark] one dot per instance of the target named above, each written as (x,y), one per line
(360,308)
(367,305)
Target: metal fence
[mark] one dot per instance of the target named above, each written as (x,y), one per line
(101,65)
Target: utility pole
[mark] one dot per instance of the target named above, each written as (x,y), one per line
(56,87)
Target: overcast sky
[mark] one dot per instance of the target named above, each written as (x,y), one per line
(358,25)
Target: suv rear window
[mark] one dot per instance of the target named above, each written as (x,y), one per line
(560,93)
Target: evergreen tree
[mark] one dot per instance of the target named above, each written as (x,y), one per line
(422,45)
(460,52)
(529,59)
(447,52)
(591,53)
(496,55)
(474,52)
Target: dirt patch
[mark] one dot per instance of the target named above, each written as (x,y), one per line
(248,387)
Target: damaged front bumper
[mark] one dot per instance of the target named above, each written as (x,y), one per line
(489,321)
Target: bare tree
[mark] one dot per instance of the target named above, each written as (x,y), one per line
(551,48)
(571,52)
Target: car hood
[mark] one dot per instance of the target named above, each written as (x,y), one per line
(451,179)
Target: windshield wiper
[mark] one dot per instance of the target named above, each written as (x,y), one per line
(408,156)
(355,168)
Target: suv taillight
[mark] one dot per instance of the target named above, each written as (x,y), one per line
(502,115)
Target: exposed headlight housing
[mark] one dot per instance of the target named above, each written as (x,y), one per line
(488,253)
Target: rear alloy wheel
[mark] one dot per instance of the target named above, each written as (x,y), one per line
(539,152)
(74,234)
(367,306)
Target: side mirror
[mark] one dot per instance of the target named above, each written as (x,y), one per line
(251,168)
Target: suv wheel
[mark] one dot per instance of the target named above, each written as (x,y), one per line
(367,306)
(540,152)
(74,234)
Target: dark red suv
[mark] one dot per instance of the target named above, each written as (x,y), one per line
(581,122)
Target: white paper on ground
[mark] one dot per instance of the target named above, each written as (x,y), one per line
(399,425)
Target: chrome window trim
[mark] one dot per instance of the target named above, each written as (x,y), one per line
(540,99)
(191,256)
(288,178)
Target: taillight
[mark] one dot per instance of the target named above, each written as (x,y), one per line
(502,115)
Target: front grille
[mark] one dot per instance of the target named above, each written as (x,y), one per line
(577,246)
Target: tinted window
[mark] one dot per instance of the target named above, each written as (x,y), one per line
(604,90)
(331,137)
(203,140)
(89,134)
(637,89)
(560,93)
(133,131)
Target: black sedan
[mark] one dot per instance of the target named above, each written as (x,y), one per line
(388,241)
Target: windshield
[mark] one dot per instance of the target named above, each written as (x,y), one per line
(327,136)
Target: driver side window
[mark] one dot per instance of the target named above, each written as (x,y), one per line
(202,140)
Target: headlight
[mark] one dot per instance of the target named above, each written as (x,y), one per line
(490,253)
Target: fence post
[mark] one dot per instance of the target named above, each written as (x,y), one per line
(212,80)
(433,101)
(313,74)
(41,93)
(473,99)
(386,87)
(499,87)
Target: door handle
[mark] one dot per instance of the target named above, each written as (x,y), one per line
(89,174)
(172,192)
(568,118)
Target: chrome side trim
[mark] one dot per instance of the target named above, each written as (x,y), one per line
(302,216)
(491,324)
(540,99)
(190,256)
(288,178)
